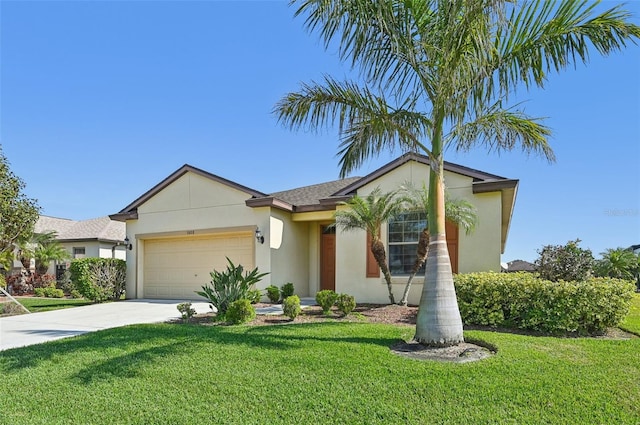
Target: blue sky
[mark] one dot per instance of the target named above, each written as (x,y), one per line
(100,100)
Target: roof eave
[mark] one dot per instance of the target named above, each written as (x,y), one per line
(124,216)
(269,201)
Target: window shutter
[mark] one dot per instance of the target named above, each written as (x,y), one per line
(452,244)
(372,266)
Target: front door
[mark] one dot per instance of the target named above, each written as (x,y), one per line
(328,258)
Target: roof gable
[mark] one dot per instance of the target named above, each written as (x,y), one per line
(477,175)
(130,211)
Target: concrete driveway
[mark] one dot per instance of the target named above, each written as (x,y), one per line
(35,328)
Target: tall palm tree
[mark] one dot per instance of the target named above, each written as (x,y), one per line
(369,213)
(437,73)
(458,211)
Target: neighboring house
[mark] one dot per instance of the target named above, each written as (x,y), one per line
(183,228)
(520,266)
(98,237)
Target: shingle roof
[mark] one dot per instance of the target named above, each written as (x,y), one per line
(311,195)
(101,228)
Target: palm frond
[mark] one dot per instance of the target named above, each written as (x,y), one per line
(366,122)
(503,130)
(459,211)
(369,212)
(545,36)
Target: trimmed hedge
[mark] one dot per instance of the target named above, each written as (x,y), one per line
(99,279)
(524,301)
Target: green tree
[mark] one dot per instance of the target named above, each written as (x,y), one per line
(565,262)
(458,211)
(18,213)
(437,73)
(47,249)
(369,213)
(619,263)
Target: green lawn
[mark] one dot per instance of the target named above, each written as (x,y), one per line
(313,373)
(35,305)
(632,322)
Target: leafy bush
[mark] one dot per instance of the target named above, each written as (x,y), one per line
(3,282)
(524,301)
(99,279)
(345,303)
(326,299)
(11,309)
(273,293)
(240,311)
(186,310)
(568,262)
(286,290)
(291,306)
(254,295)
(229,286)
(49,292)
(44,280)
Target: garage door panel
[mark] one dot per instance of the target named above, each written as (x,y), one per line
(175,268)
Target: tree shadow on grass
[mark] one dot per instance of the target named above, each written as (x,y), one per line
(287,337)
(145,344)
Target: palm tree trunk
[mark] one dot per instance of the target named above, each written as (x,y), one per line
(438,322)
(379,253)
(421,256)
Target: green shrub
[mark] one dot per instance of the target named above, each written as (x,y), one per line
(49,292)
(99,279)
(291,306)
(524,301)
(11,309)
(254,295)
(326,299)
(286,290)
(240,311)
(345,303)
(229,286)
(273,293)
(568,262)
(3,282)
(186,310)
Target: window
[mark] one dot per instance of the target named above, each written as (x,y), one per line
(78,252)
(404,233)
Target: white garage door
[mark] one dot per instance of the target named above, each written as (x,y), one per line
(175,268)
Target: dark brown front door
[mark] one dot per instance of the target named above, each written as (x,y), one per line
(328,258)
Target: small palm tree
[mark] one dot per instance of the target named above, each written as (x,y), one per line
(458,211)
(618,263)
(369,213)
(45,249)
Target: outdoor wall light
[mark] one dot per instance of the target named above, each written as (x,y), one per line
(259,236)
(127,244)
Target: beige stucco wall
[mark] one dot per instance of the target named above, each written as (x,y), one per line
(289,262)
(96,249)
(476,252)
(193,205)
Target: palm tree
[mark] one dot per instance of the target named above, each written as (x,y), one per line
(47,249)
(458,211)
(369,213)
(436,73)
(619,263)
